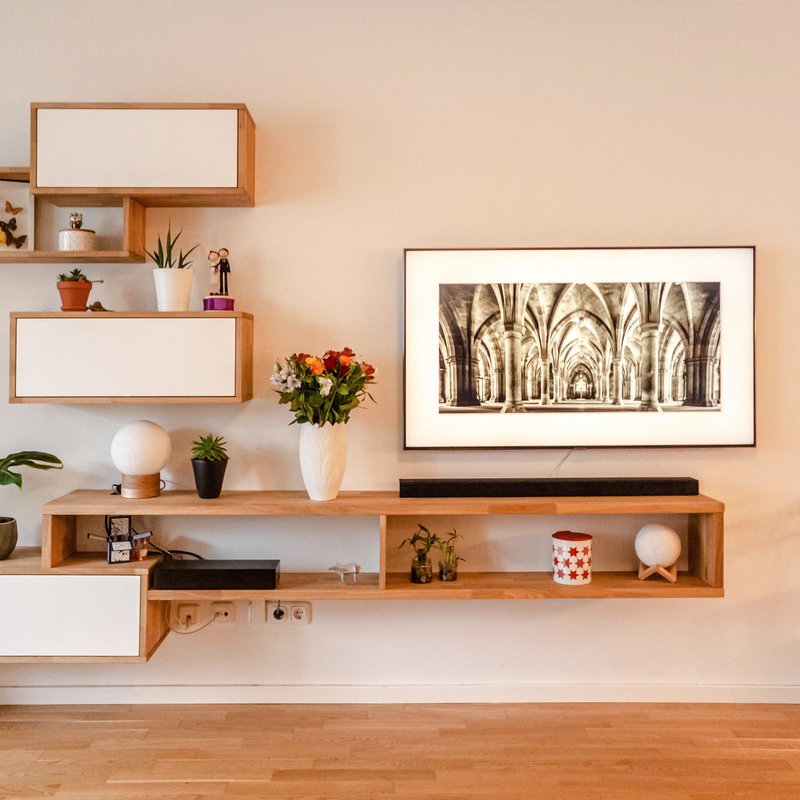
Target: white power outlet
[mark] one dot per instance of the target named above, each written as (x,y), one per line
(222,612)
(187,614)
(300,613)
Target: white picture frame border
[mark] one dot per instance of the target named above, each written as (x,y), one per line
(733,425)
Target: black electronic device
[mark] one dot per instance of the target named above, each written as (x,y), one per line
(547,487)
(216,574)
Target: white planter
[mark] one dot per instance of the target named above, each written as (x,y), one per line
(323,457)
(173,288)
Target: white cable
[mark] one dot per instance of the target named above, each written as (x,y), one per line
(187,632)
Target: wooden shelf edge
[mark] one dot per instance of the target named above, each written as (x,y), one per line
(470,586)
(72,659)
(372,503)
(183,400)
(191,197)
(59,257)
(17,174)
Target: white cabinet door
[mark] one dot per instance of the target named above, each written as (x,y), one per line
(69,615)
(128,357)
(136,147)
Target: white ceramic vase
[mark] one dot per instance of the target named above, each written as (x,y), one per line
(173,288)
(323,457)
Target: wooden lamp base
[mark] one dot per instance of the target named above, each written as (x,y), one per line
(670,573)
(137,487)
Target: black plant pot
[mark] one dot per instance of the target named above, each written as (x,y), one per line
(208,477)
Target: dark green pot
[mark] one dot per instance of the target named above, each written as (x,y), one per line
(8,536)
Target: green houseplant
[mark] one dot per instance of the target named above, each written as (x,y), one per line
(448,565)
(172,274)
(26,458)
(209,461)
(73,288)
(422,541)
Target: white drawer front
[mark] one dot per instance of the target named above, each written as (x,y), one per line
(146,357)
(136,147)
(69,615)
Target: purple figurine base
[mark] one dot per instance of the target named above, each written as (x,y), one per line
(218,303)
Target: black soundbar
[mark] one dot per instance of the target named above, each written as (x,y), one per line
(216,574)
(546,487)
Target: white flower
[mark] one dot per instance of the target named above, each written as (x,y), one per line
(292,382)
(277,382)
(325,386)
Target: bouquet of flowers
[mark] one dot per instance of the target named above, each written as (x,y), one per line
(322,390)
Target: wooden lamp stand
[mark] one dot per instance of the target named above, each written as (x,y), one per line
(670,573)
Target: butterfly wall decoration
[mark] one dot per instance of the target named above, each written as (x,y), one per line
(16,216)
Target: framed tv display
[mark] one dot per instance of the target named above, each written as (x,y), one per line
(585,347)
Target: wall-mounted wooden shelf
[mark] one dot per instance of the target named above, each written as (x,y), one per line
(60,557)
(161,154)
(131,357)
(132,250)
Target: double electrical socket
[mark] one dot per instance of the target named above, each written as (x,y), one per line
(293,613)
(189,615)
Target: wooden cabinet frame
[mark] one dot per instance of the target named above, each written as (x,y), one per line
(705,515)
(59,553)
(243,356)
(241,195)
(133,199)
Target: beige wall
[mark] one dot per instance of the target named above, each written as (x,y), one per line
(384,125)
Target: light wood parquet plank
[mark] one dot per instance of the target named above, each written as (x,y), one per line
(408,752)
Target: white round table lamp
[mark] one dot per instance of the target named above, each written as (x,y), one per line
(139,451)
(658,548)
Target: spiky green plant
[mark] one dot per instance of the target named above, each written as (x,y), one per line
(75,275)
(26,458)
(163,256)
(209,448)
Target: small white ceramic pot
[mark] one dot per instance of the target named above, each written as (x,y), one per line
(173,288)
(75,239)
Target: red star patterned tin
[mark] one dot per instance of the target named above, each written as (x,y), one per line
(572,558)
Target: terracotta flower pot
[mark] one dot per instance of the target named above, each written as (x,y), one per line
(74,294)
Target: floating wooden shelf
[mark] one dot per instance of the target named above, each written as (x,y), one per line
(132,249)
(20,174)
(59,555)
(161,154)
(124,360)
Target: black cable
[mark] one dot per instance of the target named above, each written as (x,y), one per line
(164,552)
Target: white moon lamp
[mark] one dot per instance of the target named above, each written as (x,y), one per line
(658,548)
(139,451)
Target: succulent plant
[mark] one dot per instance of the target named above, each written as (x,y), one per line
(209,448)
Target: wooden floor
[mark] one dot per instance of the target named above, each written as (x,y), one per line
(499,752)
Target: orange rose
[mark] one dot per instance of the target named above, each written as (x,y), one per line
(315,365)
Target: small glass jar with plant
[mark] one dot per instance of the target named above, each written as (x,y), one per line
(209,460)
(448,564)
(422,542)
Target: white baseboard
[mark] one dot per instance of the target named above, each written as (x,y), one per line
(473,693)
